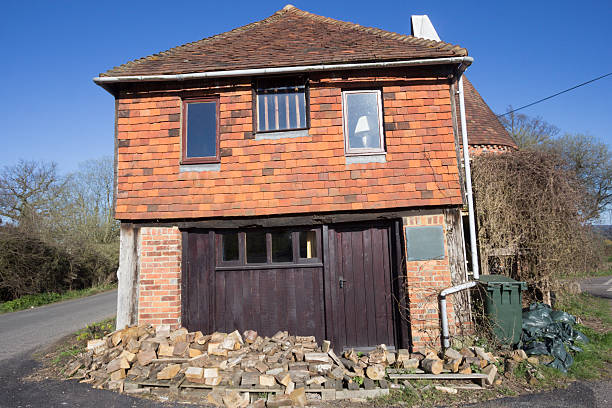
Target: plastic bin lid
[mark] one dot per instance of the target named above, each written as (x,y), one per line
(496,280)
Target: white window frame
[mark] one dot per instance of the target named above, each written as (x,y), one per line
(348,151)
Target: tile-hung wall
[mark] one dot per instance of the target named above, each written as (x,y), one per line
(310,173)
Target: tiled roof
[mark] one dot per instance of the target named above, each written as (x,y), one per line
(483,126)
(290,37)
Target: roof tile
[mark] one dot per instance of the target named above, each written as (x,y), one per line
(290,37)
(483,126)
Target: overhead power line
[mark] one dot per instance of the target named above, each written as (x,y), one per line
(557,94)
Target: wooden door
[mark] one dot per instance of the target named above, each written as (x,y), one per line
(360,282)
(265,298)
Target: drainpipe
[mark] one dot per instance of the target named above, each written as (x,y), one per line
(443,294)
(472,220)
(468,177)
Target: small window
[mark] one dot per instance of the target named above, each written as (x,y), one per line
(281,105)
(278,246)
(363,122)
(282,247)
(230,247)
(200,130)
(308,244)
(256,247)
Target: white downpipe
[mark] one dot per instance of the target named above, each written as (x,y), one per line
(468,180)
(103,80)
(472,221)
(444,319)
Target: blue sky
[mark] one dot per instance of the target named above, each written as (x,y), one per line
(51,110)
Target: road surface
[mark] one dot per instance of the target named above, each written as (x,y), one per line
(32,328)
(601,287)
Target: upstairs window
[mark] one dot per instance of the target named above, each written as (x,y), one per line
(281,105)
(363,122)
(200,130)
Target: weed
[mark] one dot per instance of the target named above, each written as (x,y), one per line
(96,330)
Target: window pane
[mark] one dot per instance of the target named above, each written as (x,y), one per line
(362,120)
(282,110)
(282,248)
(230,246)
(256,247)
(308,244)
(271,124)
(202,129)
(301,99)
(261,117)
(281,107)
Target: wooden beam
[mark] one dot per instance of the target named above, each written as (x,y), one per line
(127,275)
(289,220)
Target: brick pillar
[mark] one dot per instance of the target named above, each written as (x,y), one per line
(160,276)
(425,280)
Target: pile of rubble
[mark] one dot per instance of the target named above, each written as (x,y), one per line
(236,370)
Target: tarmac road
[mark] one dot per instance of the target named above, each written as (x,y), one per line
(601,287)
(28,329)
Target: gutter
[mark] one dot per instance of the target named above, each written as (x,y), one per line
(107,80)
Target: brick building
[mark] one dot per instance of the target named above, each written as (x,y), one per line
(298,173)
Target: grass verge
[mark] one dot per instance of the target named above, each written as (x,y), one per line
(30,301)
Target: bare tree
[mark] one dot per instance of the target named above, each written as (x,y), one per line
(30,190)
(528,132)
(591,161)
(92,199)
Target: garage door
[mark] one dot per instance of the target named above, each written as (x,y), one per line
(261,280)
(338,288)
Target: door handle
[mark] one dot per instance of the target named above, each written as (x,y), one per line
(341,281)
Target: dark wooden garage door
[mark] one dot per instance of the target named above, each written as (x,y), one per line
(360,282)
(339,289)
(265,298)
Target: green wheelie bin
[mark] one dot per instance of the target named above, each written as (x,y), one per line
(503,307)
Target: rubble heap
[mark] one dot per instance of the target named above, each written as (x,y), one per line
(235,369)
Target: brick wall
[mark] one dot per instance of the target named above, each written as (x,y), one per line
(293,175)
(159,276)
(425,280)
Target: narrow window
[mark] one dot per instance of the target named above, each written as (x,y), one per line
(363,123)
(200,130)
(308,244)
(281,105)
(230,246)
(256,247)
(282,247)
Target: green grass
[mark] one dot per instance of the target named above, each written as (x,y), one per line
(596,355)
(587,306)
(29,301)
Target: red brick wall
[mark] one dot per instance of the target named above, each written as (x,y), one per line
(425,281)
(159,288)
(293,175)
